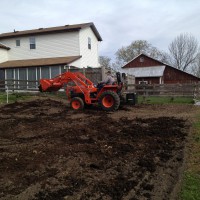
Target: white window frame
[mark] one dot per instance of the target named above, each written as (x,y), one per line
(141,59)
(143,82)
(17,77)
(32,41)
(89,43)
(17,42)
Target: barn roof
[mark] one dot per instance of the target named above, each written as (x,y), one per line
(66,28)
(39,62)
(160,63)
(143,54)
(155,71)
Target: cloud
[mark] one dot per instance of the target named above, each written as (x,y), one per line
(119,22)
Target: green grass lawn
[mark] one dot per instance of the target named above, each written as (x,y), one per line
(191,182)
(191,186)
(141,100)
(165,100)
(12,97)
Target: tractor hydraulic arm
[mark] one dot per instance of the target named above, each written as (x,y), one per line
(54,84)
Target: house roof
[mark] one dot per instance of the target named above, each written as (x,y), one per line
(39,62)
(155,71)
(58,29)
(2,46)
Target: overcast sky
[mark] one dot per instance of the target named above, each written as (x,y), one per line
(119,22)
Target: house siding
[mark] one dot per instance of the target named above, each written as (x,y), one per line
(90,55)
(49,45)
(77,63)
(3,55)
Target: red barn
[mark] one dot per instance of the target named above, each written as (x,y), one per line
(151,71)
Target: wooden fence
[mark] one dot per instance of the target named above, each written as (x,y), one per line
(19,85)
(171,90)
(189,90)
(94,74)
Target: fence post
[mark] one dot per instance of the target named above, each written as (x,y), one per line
(144,90)
(6,94)
(103,72)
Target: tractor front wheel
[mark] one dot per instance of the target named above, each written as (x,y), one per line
(109,101)
(77,103)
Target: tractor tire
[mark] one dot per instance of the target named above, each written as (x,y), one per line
(77,103)
(109,101)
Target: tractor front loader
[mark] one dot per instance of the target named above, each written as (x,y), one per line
(81,92)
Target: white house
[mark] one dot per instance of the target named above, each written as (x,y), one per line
(43,52)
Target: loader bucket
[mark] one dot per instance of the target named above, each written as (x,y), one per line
(47,85)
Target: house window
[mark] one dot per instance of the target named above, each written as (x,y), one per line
(45,72)
(63,69)
(32,43)
(141,59)
(9,73)
(55,71)
(32,77)
(17,43)
(16,74)
(23,78)
(89,43)
(9,77)
(16,77)
(38,73)
(2,74)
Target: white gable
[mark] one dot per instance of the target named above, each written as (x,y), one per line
(155,71)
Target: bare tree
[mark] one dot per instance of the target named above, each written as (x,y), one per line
(117,65)
(183,51)
(105,61)
(196,66)
(125,54)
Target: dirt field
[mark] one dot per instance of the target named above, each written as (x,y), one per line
(48,151)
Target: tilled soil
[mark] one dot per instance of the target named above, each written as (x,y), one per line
(48,151)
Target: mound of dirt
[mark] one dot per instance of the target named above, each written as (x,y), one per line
(48,151)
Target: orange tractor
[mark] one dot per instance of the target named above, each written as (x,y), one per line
(81,92)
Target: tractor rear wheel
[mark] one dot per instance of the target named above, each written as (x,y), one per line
(77,103)
(109,101)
